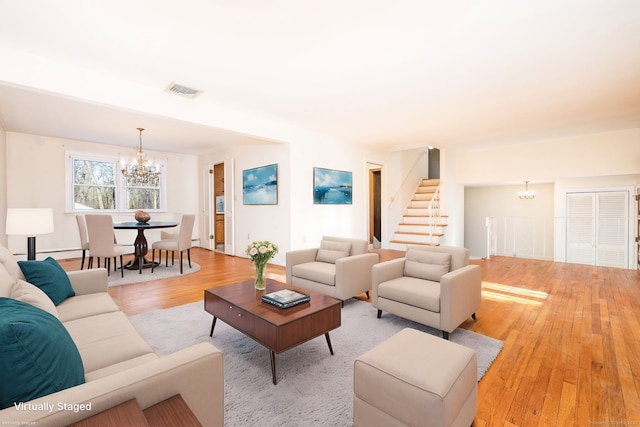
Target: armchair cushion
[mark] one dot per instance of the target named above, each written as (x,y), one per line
(49,277)
(322,272)
(426,265)
(330,251)
(412,291)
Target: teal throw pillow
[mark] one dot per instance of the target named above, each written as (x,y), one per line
(49,277)
(37,355)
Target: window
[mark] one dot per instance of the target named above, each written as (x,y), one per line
(96,183)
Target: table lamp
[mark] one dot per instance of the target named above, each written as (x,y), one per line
(29,222)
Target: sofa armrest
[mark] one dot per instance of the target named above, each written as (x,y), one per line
(196,373)
(353,274)
(89,281)
(383,272)
(460,295)
(299,256)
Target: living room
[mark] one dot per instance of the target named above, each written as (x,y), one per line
(573,130)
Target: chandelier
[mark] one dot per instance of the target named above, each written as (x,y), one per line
(140,171)
(526,193)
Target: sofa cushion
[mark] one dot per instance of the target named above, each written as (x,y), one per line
(48,276)
(331,251)
(6,283)
(26,292)
(9,262)
(321,272)
(106,339)
(87,305)
(37,355)
(426,265)
(419,293)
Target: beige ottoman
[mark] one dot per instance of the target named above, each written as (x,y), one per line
(415,379)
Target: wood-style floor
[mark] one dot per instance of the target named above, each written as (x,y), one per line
(572,335)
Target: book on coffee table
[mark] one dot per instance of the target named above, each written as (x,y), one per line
(285,298)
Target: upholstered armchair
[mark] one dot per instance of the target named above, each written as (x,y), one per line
(434,285)
(340,267)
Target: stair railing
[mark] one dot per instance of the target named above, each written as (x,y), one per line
(431,210)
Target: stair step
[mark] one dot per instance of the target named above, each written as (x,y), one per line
(416,233)
(404,242)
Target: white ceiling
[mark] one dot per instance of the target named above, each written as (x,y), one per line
(390,74)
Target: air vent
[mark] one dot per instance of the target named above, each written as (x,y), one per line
(183,91)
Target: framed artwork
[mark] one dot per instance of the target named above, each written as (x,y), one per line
(332,187)
(260,185)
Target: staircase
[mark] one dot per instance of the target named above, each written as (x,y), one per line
(422,222)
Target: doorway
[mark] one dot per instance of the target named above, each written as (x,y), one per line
(218,197)
(375,205)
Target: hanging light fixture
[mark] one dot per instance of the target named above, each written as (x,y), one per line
(526,194)
(140,171)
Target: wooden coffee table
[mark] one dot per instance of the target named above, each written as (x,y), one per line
(239,305)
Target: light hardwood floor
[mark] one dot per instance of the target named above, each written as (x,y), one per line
(572,335)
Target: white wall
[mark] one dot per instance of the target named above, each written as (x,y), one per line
(3,185)
(35,167)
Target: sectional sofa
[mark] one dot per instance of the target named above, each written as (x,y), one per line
(82,355)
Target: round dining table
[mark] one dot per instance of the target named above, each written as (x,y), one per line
(140,244)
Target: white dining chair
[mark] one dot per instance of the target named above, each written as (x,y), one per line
(101,241)
(180,243)
(84,240)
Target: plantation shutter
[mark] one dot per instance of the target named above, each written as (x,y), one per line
(598,228)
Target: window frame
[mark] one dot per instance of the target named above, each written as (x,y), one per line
(120,183)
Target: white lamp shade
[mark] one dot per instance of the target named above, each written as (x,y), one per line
(29,221)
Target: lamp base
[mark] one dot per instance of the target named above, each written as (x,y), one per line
(31,247)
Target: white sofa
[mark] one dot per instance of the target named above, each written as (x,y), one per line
(118,363)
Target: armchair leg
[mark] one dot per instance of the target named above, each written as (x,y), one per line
(367,294)
(445,335)
(379,314)
(473,316)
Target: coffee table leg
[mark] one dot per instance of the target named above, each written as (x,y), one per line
(326,335)
(213,325)
(273,367)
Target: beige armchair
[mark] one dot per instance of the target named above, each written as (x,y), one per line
(433,285)
(340,267)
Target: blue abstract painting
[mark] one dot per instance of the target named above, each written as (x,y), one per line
(260,185)
(332,187)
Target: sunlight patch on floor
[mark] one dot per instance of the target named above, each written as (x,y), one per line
(506,293)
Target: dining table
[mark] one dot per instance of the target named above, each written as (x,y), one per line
(140,244)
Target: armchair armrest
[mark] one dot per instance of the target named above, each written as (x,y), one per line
(460,295)
(299,256)
(383,272)
(196,373)
(353,273)
(89,281)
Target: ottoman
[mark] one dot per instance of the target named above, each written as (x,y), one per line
(415,379)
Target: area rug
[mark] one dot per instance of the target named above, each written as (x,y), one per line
(314,388)
(160,272)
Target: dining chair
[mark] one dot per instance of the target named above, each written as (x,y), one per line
(101,241)
(181,242)
(84,240)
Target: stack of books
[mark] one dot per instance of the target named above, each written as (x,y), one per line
(285,298)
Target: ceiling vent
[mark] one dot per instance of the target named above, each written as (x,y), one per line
(183,91)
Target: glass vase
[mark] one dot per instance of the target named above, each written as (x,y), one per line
(261,278)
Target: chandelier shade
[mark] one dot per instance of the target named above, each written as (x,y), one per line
(140,171)
(526,194)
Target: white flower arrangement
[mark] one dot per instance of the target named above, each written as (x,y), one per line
(261,252)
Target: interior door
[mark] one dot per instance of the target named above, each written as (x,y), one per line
(229,198)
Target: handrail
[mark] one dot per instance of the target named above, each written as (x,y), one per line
(405,182)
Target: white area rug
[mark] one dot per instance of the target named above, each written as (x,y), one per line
(314,388)
(160,272)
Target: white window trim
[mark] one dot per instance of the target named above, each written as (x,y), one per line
(121,195)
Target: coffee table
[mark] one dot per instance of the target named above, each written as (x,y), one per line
(239,305)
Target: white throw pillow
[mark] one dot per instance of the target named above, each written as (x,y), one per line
(426,265)
(31,294)
(331,251)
